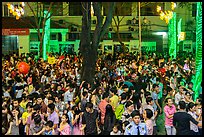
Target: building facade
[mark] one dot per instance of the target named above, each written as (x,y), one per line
(65,27)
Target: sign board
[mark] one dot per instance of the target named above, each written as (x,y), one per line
(15,32)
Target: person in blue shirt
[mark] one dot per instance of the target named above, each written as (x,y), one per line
(136,127)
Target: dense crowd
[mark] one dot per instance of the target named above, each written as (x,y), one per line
(128,94)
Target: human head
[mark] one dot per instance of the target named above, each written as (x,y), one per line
(115,128)
(49,125)
(29,107)
(51,108)
(109,109)
(181,89)
(156,87)
(40,98)
(182,105)
(149,101)
(15,102)
(89,107)
(129,106)
(125,88)
(169,90)
(37,119)
(123,96)
(169,101)
(191,107)
(105,96)
(147,114)
(136,116)
(113,91)
(65,118)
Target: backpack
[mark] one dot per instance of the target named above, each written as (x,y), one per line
(119,111)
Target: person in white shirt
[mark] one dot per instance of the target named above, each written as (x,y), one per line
(179,95)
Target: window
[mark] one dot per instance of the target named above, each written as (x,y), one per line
(5,11)
(74,36)
(33,37)
(53,36)
(75,9)
(121,8)
(150,9)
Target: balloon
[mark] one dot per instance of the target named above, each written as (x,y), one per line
(23,68)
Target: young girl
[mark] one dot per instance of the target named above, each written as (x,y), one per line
(147,115)
(115,130)
(64,128)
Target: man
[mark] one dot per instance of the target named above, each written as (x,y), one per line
(40,101)
(69,94)
(53,116)
(149,105)
(181,120)
(90,120)
(155,92)
(102,106)
(179,95)
(114,99)
(136,127)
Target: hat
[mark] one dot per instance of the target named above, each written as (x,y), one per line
(135,113)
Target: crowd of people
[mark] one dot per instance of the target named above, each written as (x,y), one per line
(126,98)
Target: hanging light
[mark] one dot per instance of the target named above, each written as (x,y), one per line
(92,10)
(16,10)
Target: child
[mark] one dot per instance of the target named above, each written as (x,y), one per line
(49,128)
(64,128)
(115,130)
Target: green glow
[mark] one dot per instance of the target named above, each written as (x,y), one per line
(172,36)
(109,35)
(46,36)
(179,29)
(198,76)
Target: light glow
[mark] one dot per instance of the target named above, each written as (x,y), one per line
(16,10)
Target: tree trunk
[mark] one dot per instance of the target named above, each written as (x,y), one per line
(88,46)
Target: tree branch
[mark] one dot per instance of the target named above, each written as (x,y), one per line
(108,19)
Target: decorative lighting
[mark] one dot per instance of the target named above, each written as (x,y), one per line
(16,10)
(92,10)
(166,15)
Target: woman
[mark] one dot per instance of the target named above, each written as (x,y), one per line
(192,111)
(77,121)
(5,119)
(147,115)
(14,122)
(64,127)
(169,111)
(126,116)
(109,120)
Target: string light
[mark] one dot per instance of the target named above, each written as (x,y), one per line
(166,15)
(16,10)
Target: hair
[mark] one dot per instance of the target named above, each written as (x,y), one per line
(84,93)
(123,96)
(37,119)
(155,85)
(166,100)
(109,112)
(149,99)
(135,113)
(149,113)
(182,104)
(157,79)
(113,90)
(36,107)
(128,103)
(168,89)
(29,104)
(49,123)
(146,94)
(67,117)
(105,95)
(89,105)
(190,106)
(51,106)
(125,86)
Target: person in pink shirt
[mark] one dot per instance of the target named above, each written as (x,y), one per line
(169,111)
(147,115)
(64,127)
(102,106)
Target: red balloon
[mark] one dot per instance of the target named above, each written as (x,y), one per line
(23,68)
